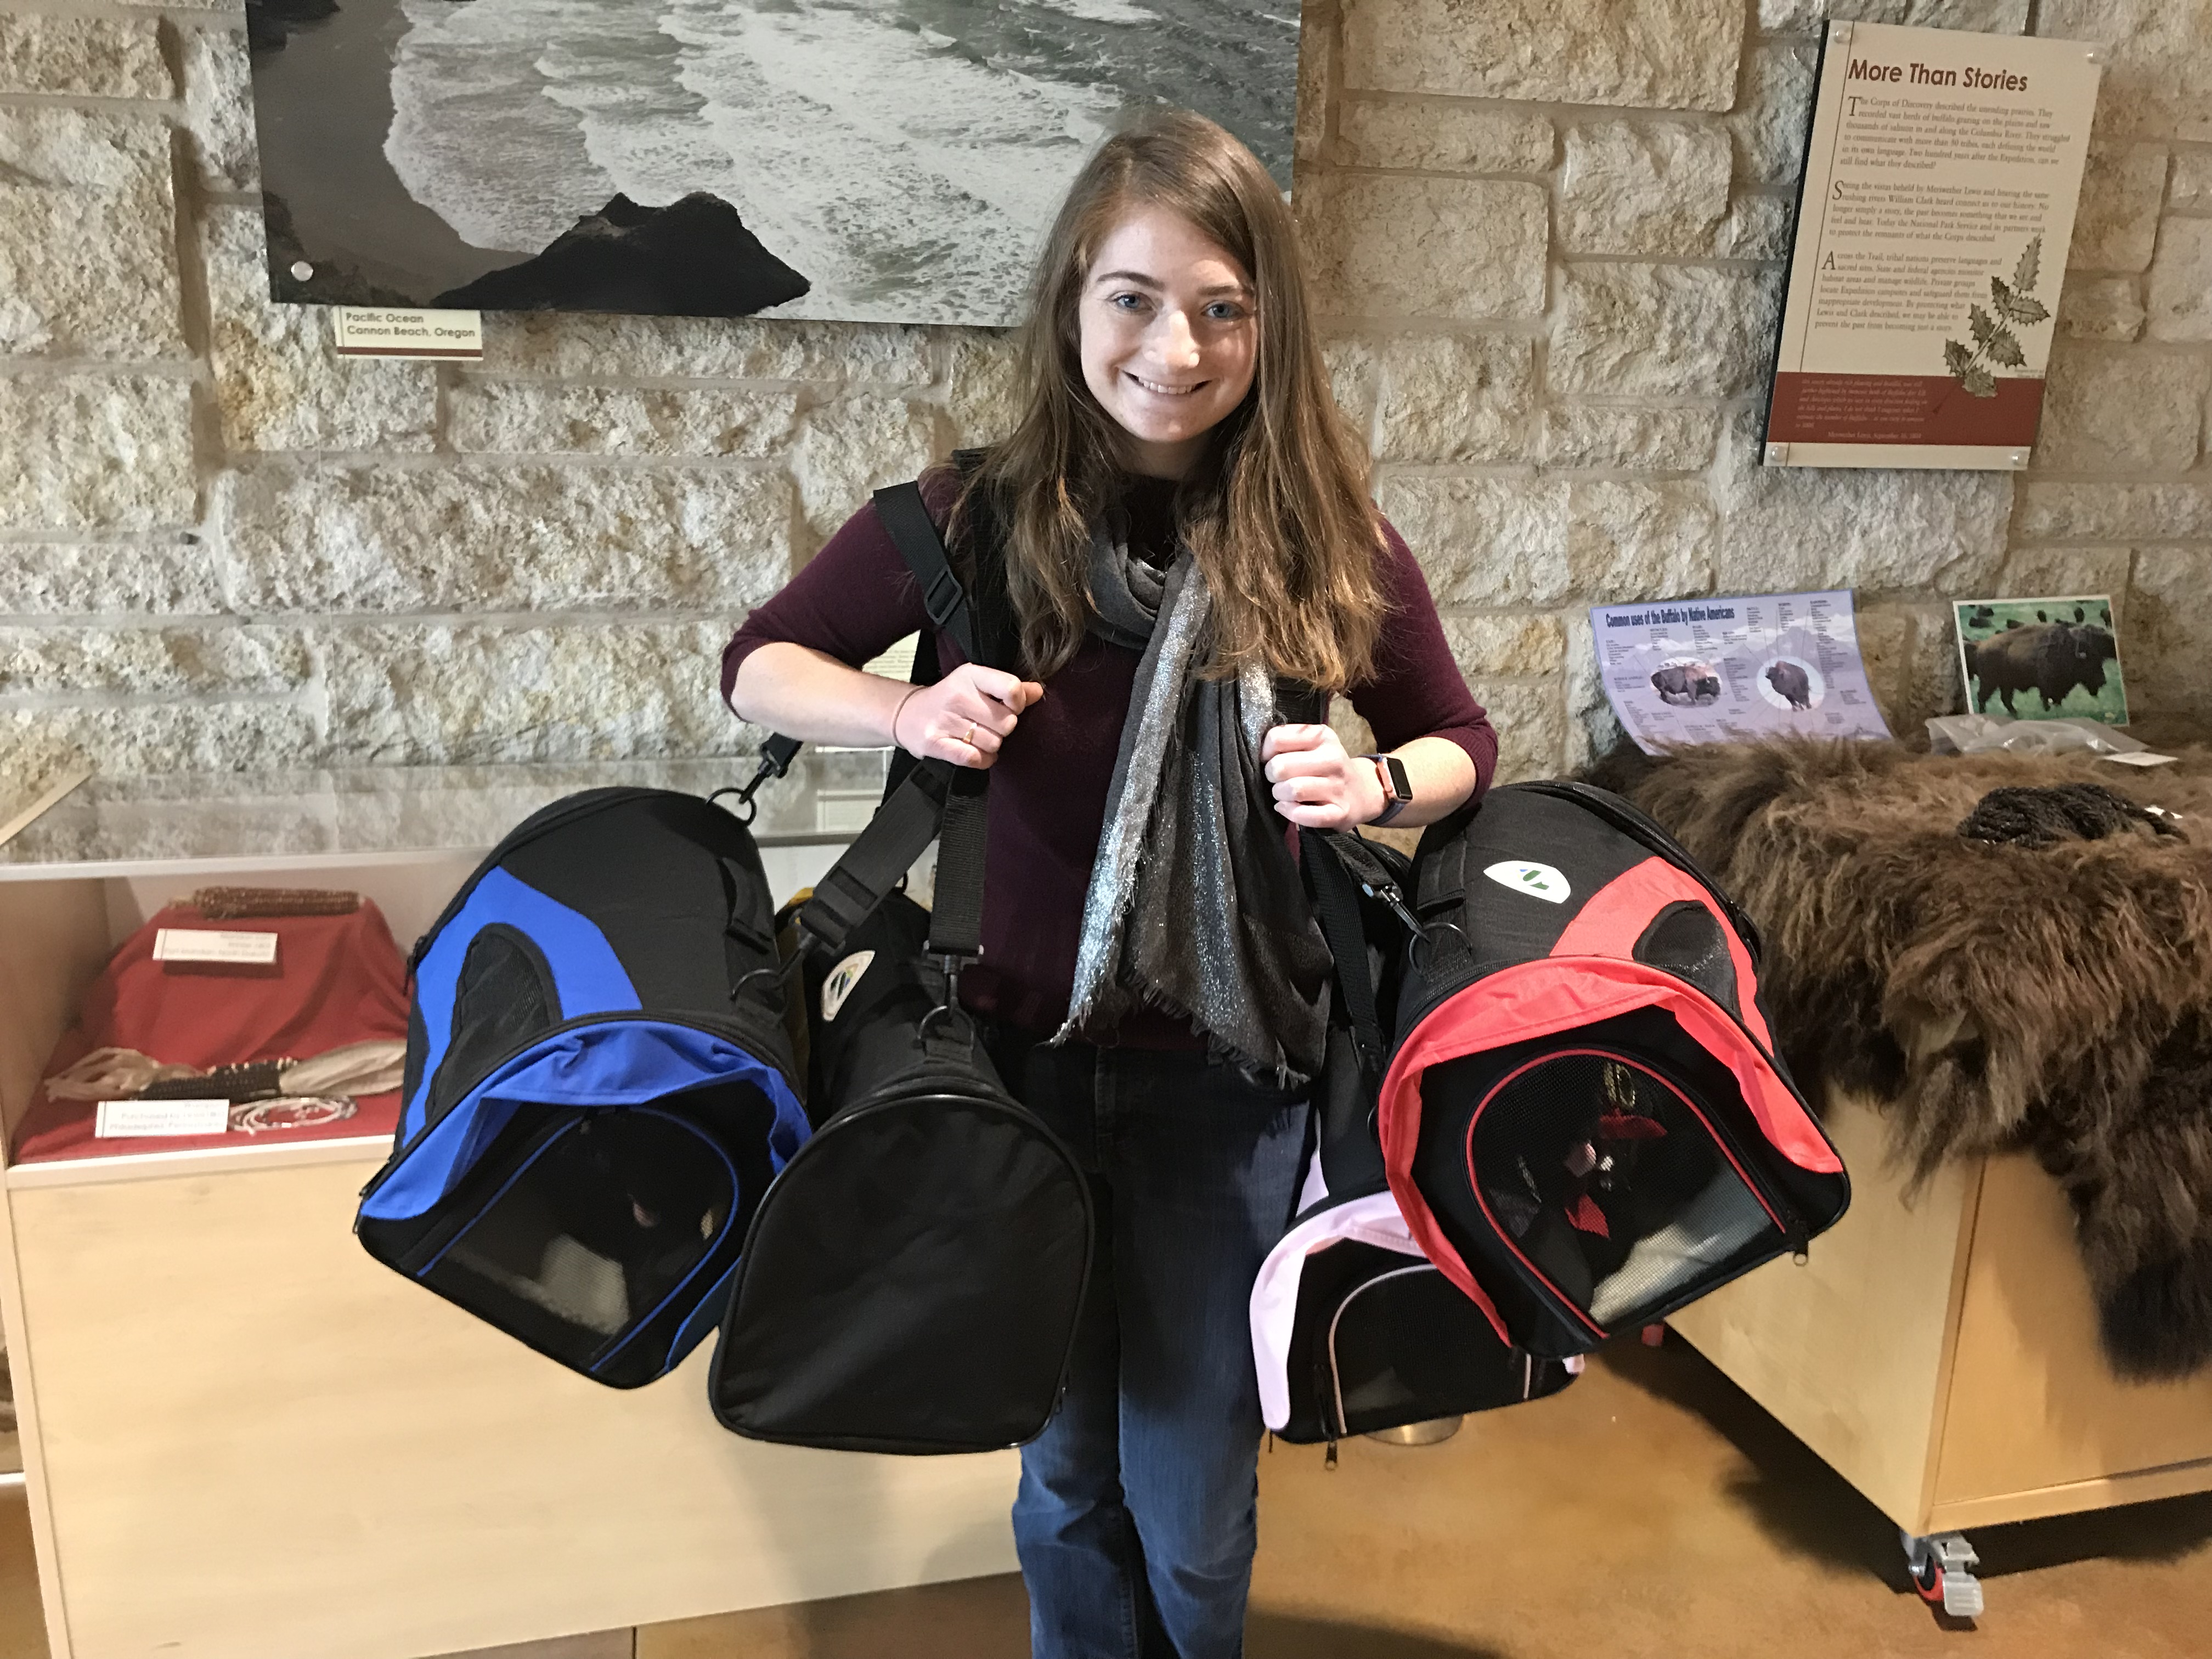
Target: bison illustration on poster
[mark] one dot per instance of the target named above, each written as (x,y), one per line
(1688,684)
(1790,684)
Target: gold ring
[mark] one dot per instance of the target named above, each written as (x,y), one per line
(970,738)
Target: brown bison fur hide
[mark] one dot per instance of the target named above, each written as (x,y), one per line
(2058,998)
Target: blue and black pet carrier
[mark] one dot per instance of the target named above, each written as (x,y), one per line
(599,1084)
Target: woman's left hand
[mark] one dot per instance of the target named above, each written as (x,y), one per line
(1316,784)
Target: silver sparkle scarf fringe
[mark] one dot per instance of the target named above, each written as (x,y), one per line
(1195,906)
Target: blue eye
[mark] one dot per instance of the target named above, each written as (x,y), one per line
(1225,311)
(1126,301)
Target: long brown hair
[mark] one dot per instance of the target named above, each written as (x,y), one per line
(1277,517)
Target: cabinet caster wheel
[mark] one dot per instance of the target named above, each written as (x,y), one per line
(1943,1572)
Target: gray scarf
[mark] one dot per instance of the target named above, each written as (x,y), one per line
(1195,904)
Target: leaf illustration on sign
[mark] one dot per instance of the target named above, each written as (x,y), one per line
(1537,880)
(2012,305)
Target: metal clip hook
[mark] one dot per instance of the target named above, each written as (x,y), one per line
(949,964)
(772,765)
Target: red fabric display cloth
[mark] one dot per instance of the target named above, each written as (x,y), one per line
(336,980)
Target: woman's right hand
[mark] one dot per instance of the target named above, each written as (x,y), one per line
(965,716)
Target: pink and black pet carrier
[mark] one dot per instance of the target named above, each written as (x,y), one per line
(1354,1329)
(1583,1120)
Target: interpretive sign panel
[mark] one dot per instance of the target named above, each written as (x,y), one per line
(1717,671)
(1940,182)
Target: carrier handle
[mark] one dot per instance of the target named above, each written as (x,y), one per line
(955,911)
(933,799)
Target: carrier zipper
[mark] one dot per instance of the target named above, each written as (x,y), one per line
(616,1343)
(1336,1371)
(431,1248)
(1394,896)
(734,1031)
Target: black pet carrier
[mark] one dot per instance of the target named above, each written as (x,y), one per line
(1354,1329)
(911,1282)
(1584,1120)
(598,1085)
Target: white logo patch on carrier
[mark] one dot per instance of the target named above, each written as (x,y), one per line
(1537,880)
(841,980)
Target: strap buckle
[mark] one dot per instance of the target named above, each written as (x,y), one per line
(942,597)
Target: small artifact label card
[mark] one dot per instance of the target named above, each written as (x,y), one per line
(1940,181)
(368,331)
(1719,670)
(127,1119)
(227,945)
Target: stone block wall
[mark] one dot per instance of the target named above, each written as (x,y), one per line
(1547,234)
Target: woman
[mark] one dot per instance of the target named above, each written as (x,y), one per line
(1187,547)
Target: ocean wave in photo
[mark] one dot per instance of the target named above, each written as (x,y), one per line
(905,156)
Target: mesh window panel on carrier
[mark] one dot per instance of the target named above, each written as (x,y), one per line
(599,1086)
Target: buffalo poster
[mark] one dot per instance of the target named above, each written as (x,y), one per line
(1941,180)
(1719,670)
(2036,659)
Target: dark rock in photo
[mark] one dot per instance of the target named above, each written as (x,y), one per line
(268,22)
(694,257)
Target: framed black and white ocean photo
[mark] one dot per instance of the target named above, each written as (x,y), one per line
(890,160)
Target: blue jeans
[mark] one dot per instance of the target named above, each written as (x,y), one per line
(1136,1519)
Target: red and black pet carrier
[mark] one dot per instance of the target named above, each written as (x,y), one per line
(1584,1121)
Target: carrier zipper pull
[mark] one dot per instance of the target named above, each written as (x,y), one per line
(1329,1462)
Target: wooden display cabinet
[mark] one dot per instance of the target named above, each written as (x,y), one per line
(1942,1353)
(244,1439)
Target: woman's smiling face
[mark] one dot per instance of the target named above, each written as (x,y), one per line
(1169,337)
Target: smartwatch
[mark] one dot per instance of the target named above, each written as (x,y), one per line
(1397,787)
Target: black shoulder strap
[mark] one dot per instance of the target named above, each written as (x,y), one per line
(932,800)
(905,515)
(1336,902)
(879,857)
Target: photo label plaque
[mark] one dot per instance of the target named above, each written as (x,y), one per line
(375,332)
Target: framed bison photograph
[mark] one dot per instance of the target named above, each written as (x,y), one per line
(2039,659)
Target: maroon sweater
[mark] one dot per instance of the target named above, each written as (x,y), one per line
(1047,797)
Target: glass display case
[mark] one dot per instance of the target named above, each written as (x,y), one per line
(242,1438)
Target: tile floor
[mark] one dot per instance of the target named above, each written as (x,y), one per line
(1651,1513)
